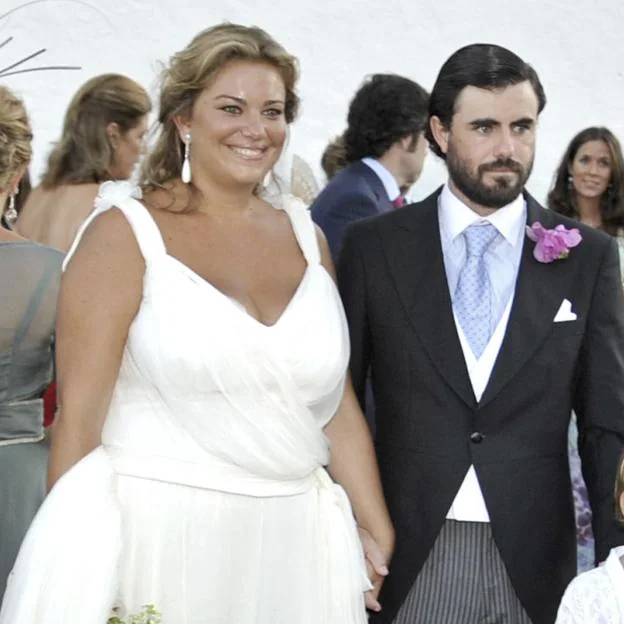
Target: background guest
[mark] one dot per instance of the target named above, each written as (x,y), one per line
(596,595)
(29,282)
(589,186)
(102,139)
(589,183)
(334,158)
(384,150)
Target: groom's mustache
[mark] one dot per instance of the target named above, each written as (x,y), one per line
(502,165)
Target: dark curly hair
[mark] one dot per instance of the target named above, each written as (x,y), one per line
(385,109)
(481,65)
(562,198)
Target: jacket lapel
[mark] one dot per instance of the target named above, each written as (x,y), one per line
(414,255)
(540,290)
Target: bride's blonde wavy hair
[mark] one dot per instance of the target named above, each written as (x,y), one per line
(188,74)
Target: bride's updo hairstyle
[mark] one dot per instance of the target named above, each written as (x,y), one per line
(188,74)
(15,138)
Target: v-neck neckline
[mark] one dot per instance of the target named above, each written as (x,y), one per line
(201,281)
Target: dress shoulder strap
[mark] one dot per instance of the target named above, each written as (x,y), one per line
(124,196)
(303,227)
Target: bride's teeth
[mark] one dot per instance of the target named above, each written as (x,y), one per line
(250,153)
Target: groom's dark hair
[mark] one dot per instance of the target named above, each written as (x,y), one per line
(481,65)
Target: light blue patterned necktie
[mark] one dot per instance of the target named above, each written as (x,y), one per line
(473,296)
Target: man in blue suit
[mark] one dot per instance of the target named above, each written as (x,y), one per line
(382,150)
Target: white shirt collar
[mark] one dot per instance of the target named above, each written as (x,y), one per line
(387,179)
(455,217)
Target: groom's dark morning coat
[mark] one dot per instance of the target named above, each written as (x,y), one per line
(393,284)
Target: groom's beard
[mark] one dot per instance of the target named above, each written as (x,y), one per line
(505,187)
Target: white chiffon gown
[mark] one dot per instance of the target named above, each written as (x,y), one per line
(207,497)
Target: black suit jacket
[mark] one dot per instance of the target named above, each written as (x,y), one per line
(393,283)
(354,193)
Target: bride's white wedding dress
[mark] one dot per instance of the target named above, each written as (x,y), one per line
(208,497)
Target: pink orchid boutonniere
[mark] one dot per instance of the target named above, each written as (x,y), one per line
(551,245)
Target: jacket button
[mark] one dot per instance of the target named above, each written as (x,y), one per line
(476,437)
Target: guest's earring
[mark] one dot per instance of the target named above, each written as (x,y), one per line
(570,182)
(11,214)
(186,165)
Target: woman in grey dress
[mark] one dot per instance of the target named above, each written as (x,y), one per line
(29,281)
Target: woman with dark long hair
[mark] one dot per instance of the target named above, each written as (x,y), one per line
(589,183)
(589,186)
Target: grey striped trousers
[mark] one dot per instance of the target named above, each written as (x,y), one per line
(463,581)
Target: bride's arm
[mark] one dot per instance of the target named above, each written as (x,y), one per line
(100,295)
(354,466)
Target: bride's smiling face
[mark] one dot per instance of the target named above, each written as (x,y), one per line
(237,126)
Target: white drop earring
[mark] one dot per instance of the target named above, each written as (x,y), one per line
(11,214)
(186,165)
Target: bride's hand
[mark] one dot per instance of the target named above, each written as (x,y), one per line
(376,567)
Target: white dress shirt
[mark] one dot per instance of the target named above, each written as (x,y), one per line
(502,261)
(387,179)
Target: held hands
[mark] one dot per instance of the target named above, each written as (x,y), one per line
(376,567)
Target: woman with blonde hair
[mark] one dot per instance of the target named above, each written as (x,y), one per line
(29,282)
(209,458)
(102,139)
(334,157)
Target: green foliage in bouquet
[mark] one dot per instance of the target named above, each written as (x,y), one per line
(148,615)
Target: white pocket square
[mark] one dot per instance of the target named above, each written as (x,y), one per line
(565,313)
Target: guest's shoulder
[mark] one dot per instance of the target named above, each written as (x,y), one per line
(22,257)
(351,180)
(587,580)
(412,216)
(13,243)
(588,596)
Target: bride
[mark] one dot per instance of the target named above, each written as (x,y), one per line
(210,457)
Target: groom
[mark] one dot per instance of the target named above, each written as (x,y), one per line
(480,346)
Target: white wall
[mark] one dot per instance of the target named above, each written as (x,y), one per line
(577,48)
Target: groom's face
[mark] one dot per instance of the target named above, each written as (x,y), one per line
(491,143)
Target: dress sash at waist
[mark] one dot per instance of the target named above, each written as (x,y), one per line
(211,473)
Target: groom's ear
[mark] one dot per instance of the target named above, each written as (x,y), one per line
(440,133)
